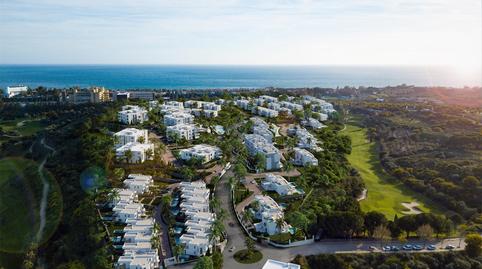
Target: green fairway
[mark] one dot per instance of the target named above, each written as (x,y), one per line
(21,190)
(384,195)
(22,127)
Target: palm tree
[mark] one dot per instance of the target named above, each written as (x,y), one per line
(280,222)
(128,155)
(217,230)
(214,204)
(221,215)
(149,154)
(178,250)
(141,139)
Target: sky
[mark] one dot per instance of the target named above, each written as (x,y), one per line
(252,32)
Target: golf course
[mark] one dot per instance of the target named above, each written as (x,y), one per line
(383,193)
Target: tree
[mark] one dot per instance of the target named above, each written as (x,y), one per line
(260,161)
(204,262)
(217,259)
(407,223)
(239,170)
(280,223)
(374,219)
(249,246)
(178,250)
(128,155)
(298,220)
(425,232)
(473,246)
(149,154)
(381,233)
(141,140)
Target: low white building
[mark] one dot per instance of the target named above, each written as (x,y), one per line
(138,152)
(206,153)
(268,212)
(304,158)
(279,184)
(186,131)
(305,139)
(138,183)
(274,264)
(266,112)
(176,118)
(321,116)
(132,115)
(291,106)
(130,135)
(313,123)
(124,212)
(267,134)
(244,104)
(11,91)
(268,99)
(258,144)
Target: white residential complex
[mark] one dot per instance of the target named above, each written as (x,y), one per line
(279,184)
(138,251)
(319,105)
(139,152)
(176,118)
(305,139)
(11,91)
(130,135)
(258,144)
(304,158)
(195,204)
(132,115)
(266,112)
(313,123)
(182,131)
(206,153)
(268,212)
(243,104)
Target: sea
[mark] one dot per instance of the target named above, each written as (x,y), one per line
(133,77)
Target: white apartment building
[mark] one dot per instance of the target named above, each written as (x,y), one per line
(268,213)
(268,99)
(313,123)
(291,106)
(206,153)
(124,212)
(243,104)
(11,91)
(258,144)
(138,183)
(132,115)
(305,139)
(264,132)
(321,116)
(304,158)
(195,205)
(176,118)
(153,104)
(266,112)
(138,152)
(186,131)
(257,121)
(130,135)
(279,184)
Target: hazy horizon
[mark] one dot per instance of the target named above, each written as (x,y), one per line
(272,33)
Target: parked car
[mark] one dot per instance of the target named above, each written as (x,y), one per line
(450,247)
(407,247)
(395,248)
(431,247)
(417,247)
(372,248)
(386,248)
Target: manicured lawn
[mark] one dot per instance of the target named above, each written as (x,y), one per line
(242,256)
(23,127)
(21,193)
(384,194)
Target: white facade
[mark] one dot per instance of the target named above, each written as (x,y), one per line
(305,139)
(321,116)
(206,153)
(186,131)
(11,91)
(138,183)
(176,118)
(268,99)
(268,213)
(279,184)
(273,264)
(195,204)
(266,112)
(258,144)
(138,152)
(304,158)
(291,106)
(265,133)
(313,123)
(132,115)
(130,135)
(243,104)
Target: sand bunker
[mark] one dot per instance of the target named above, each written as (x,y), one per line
(412,208)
